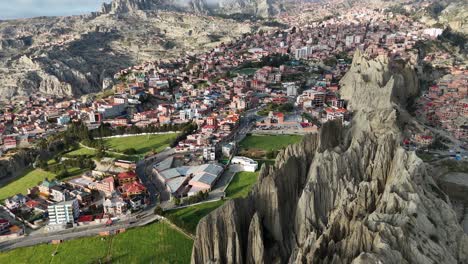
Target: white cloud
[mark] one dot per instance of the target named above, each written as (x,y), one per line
(31,8)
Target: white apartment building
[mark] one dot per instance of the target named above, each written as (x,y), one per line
(63,212)
(247,163)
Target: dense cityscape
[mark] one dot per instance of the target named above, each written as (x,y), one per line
(183,136)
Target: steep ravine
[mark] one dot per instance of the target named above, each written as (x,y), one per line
(345,195)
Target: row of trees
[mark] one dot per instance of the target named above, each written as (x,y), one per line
(283,108)
(60,168)
(273,60)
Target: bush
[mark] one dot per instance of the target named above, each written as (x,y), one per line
(158,210)
(177,201)
(271,154)
(130,151)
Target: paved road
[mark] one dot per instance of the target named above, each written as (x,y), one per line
(83,231)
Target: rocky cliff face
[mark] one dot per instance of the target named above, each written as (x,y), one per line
(128,6)
(345,195)
(259,8)
(455,15)
(387,82)
(446,13)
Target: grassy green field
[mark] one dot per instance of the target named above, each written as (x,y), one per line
(241,184)
(188,218)
(142,144)
(31,178)
(81,152)
(155,243)
(269,142)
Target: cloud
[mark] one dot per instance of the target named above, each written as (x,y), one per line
(10,9)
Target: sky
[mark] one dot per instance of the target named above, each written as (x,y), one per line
(10,9)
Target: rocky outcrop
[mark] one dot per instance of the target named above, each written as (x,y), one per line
(129,6)
(259,8)
(345,195)
(389,82)
(446,13)
(455,15)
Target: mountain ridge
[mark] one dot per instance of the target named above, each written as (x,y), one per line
(257,8)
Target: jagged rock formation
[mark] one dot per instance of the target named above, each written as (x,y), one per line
(345,195)
(395,79)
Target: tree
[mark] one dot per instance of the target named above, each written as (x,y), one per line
(158,210)
(130,151)
(331,61)
(177,201)
(42,144)
(271,154)
(40,163)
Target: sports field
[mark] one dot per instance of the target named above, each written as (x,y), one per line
(142,144)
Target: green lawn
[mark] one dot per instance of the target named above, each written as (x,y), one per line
(142,144)
(241,184)
(84,250)
(81,152)
(269,142)
(188,218)
(30,179)
(151,244)
(37,254)
(155,243)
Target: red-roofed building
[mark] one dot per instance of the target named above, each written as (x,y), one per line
(280,117)
(126,177)
(36,205)
(422,139)
(85,218)
(336,113)
(133,188)
(208,128)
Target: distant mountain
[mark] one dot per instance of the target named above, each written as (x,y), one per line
(80,54)
(258,8)
(128,6)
